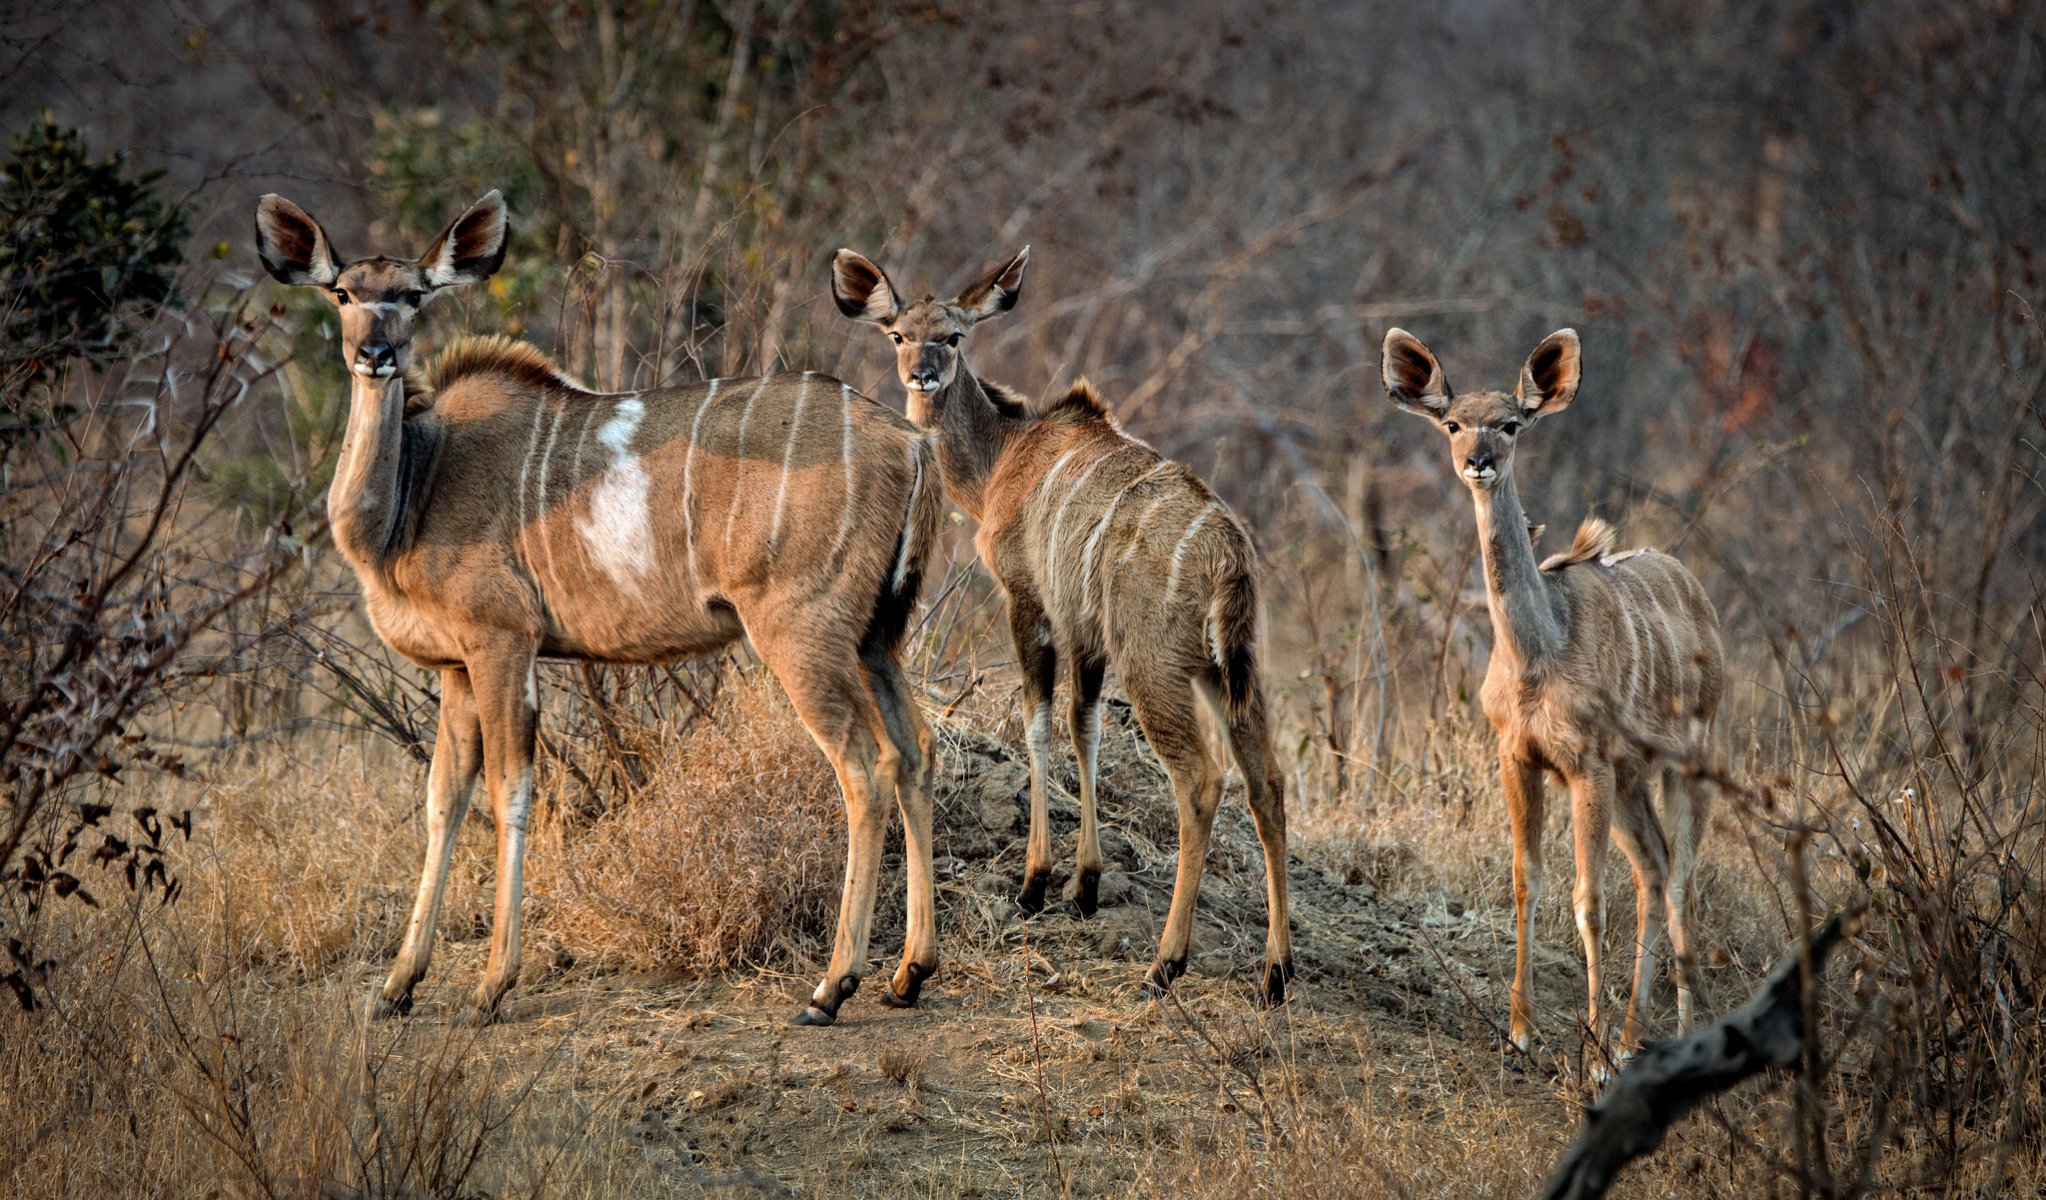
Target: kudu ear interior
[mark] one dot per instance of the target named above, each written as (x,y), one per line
(1413,379)
(293,247)
(472,247)
(995,292)
(861,289)
(1548,381)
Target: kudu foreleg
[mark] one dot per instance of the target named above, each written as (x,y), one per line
(507,700)
(457,761)
(1523,784)
(1085,719)
(1039,664)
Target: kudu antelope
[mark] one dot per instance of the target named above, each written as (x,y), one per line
(1109,555)
(497,513)
(1606,668)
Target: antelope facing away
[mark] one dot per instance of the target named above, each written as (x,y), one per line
(496,513)
(1109,555)
(1604,669)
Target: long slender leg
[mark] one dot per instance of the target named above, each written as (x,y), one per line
(1641,839)
(1687,801)
(1591,806)
(1039,663)
(507,702)
(1172,726)
(1523,785)
(1085,718)
(457,761)
(912,742)
(1250,738)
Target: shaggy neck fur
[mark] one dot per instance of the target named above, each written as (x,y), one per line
(1527,607)
(975,422)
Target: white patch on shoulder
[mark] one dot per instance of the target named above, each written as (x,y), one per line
(618,530)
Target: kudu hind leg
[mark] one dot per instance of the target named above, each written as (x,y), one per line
(1686,799)
(1523,784)
(1250,739)
(1085,719)
(1641,838)
(1172,726)
(911,740)
(834,704)
(507,703)
(1039,664)
(457,761)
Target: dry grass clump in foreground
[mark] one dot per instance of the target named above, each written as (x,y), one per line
(729,854)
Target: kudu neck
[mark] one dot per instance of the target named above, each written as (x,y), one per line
(972,433)
(363,502)
(1527,610)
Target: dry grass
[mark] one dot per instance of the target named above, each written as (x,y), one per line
(730,854)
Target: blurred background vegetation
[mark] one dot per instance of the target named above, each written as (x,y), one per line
(1802,241)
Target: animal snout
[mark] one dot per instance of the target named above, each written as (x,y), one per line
(1480,461)
(379,357)
(924,375)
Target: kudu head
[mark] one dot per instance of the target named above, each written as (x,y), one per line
(1482,425)
(927,334)
(379,297)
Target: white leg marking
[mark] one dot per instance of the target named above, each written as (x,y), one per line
(788,461)
(618,530)
(739,465)
(1179,551)
(689,484)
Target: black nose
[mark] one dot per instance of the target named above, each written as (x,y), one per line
(924,376)
(376,355)
(1480,460)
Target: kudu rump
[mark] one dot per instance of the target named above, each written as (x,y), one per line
(498,514)
(1109,555)
(1606,670)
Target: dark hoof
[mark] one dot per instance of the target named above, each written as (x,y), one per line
(823,1010)
(385,1008)
(1031,898)
(1087,892)
(1273,992)
(813,1015)
(1158,980)
(908,983)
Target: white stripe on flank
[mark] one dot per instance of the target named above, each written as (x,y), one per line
(1091,550)
(1179,551)
(1136,540)
(619,528)
(1041,494)
(526,467)
(739,465)
(788,462)
(916,483)
(689,485)
(1058,520)
(546,461)
(845,511)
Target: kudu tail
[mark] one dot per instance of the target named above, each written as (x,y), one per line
(1232,640)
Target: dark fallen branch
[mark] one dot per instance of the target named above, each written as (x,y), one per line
(1669,1080)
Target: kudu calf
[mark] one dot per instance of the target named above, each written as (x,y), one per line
(497,513)
(1606,670)
(1109,555)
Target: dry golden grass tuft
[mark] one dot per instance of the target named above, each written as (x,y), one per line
(730,854)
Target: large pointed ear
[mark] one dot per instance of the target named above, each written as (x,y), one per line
(471,248)
(1548,382)
(1413,378)
(293,247)
(862,290)
(995,292)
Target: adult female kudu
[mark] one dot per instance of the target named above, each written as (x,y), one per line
(1602,666)
(1109,555)
(496,513)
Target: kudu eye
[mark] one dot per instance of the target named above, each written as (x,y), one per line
(415,297)
(954,339)
(896,336)
(1510,428)
(1451,426)
(340,295)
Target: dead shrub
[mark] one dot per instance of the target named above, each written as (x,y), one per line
(729,854)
